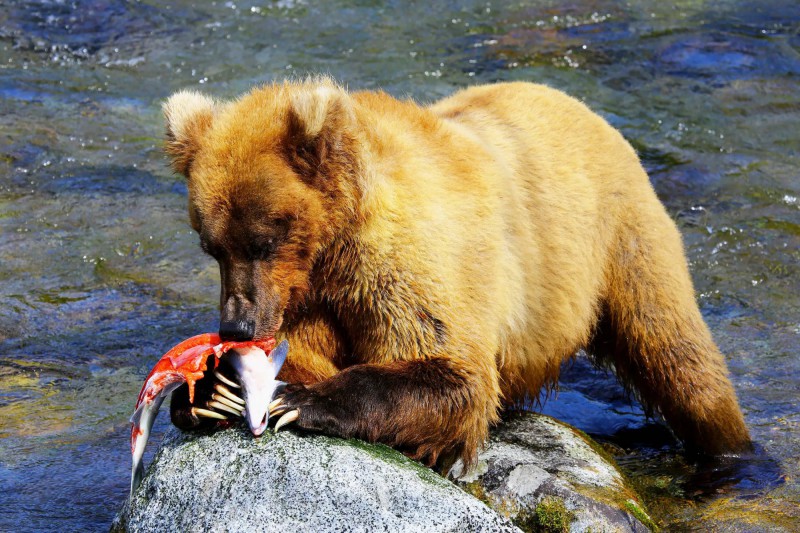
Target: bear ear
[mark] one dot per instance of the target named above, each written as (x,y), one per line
(188,115)
(320,122)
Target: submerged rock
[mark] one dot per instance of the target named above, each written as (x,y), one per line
(230,481)
(546,475)
(536,472)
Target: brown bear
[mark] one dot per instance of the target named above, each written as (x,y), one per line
(431,265)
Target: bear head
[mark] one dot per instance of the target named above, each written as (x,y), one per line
(272,180)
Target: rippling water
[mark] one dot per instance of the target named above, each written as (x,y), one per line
(100,273)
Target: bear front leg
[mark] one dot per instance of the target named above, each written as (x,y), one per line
(433,410)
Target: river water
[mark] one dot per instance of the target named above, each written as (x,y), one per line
(100,272)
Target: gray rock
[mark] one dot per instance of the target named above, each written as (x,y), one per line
(535,468)
(539,473)
(230,481)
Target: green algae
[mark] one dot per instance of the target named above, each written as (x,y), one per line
(641,515)
(550,516)
(391,456)
(626,498)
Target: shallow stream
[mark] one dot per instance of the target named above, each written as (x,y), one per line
(100,272)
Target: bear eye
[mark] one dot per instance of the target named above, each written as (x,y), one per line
(268,246)
(262,249)
(264,246)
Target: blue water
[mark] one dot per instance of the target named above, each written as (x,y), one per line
(100,272)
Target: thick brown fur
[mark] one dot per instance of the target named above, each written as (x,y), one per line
(430,265)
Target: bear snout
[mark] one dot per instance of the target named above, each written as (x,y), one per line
(237,330)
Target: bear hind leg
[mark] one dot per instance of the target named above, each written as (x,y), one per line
(653,333)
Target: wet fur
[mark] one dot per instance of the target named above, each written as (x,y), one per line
(430,265)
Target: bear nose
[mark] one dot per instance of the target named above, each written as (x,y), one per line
(237,330)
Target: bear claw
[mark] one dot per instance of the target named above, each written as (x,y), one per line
(225,380)
(224,391)
(287,418)
(219,406)
(206,413)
